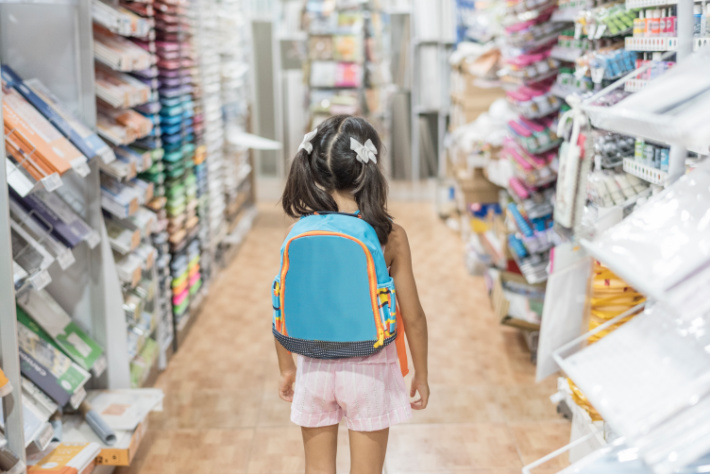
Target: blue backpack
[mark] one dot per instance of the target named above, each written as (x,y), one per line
(334,297)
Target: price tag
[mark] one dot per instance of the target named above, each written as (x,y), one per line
(66,259)
(81,167)
(51,182)
(40,280)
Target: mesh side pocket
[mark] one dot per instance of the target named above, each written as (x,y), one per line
(387,302)
(276,303)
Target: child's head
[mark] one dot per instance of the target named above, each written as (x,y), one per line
(334,165)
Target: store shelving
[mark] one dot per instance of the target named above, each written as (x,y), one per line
(635,85)
(645,172)
(651,44)
(562,53)
(633,4)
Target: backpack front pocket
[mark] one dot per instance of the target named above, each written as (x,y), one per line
(276,303)
(387,302)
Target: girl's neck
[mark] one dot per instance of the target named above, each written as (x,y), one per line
(345,201)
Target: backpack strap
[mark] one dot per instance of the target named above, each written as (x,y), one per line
(323,213)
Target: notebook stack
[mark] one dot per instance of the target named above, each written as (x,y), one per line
(175,63)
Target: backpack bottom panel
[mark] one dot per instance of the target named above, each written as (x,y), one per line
(330,350)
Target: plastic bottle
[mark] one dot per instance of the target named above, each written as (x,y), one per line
(662,22)
(655,23)
(639,148)
(697,20)
(673,18)
(665,158)
(639,25)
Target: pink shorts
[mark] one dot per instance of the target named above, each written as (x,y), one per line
(368,391)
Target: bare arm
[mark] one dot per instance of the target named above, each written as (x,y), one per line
(399,254)
(288,372)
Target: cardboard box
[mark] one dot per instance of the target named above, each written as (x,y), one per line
(120,454)
(502,305)
(476,189)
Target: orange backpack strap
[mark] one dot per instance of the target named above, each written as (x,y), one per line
(401,345)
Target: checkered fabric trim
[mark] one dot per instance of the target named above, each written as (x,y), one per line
(330,350)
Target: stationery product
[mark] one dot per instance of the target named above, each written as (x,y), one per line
(86,141)
(54,214)
(47,319)
(61,253)
(37,431)
(122,127)
(120,199)
(17,179)
(125,409)
(120,90)
(49,368)
(68,459)
(121,453)
(129,268)
(124,238)
(97,424)
(33,142)
(119,53)
(29,253)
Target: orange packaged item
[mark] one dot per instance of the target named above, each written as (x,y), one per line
(30,132)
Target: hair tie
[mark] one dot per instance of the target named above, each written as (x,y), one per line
(306,143)
(364,153)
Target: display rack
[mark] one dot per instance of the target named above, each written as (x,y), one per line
(90,289)
(433,36)
(9,360)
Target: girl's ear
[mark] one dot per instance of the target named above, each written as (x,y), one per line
(302,194)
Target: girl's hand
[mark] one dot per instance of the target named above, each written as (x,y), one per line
(286,385)
(421,385)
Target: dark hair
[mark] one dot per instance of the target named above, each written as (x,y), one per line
(331,166)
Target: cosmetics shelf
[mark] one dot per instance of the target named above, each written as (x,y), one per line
(651,44)
(562,53)
(635,85)
(566,14)
(645,172)
(666,111)
(633,4)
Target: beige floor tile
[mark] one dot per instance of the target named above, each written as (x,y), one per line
(460,404)
(536,440)
(193,451)
(451,447)
(277,450)
(223,415)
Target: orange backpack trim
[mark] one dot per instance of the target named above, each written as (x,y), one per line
(401,345)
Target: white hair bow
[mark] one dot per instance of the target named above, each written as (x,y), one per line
(364,152)
(306,143)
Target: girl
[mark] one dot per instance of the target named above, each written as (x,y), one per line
(336,169)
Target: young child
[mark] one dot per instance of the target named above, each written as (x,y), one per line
(336,170)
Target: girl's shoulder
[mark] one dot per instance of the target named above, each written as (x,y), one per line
(397,244)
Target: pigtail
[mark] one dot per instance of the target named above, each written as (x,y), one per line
(302,194)
(371,197)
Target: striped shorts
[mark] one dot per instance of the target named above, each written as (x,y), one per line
(368,391)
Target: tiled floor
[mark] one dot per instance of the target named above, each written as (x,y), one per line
(222,413)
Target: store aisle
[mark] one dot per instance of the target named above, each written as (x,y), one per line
(223,415)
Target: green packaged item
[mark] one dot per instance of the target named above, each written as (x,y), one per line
(42,315)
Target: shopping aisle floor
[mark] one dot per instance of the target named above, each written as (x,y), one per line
(222,413)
